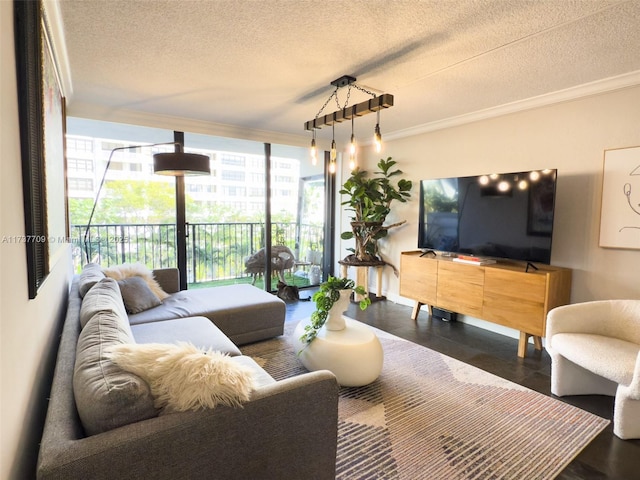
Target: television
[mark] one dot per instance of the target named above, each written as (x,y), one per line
(506,215)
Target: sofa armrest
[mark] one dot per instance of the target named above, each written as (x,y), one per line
(287,430)
(168,278)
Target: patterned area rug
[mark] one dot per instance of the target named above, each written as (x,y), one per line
(429,416)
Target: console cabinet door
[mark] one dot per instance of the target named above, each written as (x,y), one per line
(515,299)
(418,278)
(460,288)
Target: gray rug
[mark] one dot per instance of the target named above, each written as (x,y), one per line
(429,416)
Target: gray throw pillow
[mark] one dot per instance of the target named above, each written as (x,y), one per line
(91,274)
(105,296)
(107,396)
(137,295)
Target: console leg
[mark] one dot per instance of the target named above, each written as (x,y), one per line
(537,342)
(522,344)
(416,311)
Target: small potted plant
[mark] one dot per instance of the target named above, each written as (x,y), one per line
(332,299)
(370,198)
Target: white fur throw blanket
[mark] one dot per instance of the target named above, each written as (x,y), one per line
(183,377)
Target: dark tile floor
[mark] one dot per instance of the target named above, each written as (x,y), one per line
(606,457)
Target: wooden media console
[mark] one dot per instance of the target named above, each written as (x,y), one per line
(503,293)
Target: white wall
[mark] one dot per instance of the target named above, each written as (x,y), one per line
(28,328)
(569,136)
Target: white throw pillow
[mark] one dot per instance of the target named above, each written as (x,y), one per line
(126,270)
(183,377)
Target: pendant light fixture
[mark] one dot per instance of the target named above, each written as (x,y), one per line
(374,104)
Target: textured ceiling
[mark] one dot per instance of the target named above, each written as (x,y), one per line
(266,65)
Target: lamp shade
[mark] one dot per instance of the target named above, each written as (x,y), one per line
(179,164)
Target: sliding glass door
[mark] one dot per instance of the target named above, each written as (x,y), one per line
(258,218)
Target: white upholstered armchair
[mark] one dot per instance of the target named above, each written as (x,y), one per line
(595,350)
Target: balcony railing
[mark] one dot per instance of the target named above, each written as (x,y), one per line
(215,251)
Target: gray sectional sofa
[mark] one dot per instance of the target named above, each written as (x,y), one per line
(102,423)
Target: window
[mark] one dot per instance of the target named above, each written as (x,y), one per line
(233,175)
(108,146)
(234,191)
(81,184)
(79,145)
(80,165)
(233,160)
(284,165)
(256,163)
(194,188)
(256,177)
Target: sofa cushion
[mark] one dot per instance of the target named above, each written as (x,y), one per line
(183,377)
(244,313)
(196,330)
(107,396)
(608,357)
(260,376)
(91,274)
(126,270)
(137,295)
(105,296)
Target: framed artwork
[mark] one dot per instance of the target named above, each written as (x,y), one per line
(41,110)
(620,212)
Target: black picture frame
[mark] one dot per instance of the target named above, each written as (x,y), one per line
(31,47)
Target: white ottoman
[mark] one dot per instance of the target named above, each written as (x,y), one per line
(354,354)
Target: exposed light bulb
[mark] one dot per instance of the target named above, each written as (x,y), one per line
(504,186)
(314,152)
(377,138)
(484,180)
(534,176)
(352,152)
(334,151)
(332,167)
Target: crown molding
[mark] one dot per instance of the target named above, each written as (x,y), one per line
(581,91)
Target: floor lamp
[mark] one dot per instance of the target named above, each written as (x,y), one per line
(177,164)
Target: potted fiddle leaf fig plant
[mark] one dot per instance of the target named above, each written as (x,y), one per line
(332,299)
(370,199)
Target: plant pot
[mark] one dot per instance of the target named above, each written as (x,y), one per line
(365,236)
(335,320)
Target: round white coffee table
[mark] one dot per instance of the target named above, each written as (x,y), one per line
(353,354)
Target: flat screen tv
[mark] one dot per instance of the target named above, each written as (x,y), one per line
(507,215)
